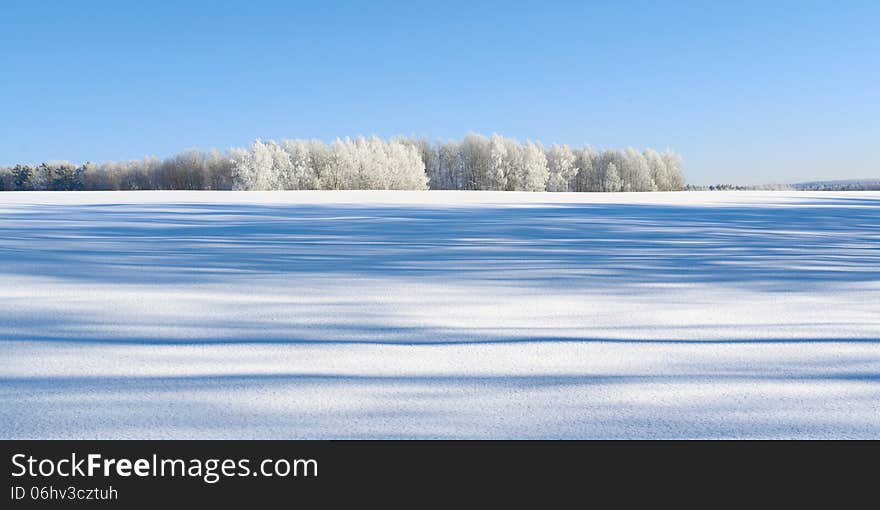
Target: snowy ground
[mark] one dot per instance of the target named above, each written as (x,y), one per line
(439,314)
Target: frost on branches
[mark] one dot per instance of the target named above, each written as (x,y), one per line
(476,162)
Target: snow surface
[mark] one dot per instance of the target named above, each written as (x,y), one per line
(439,314)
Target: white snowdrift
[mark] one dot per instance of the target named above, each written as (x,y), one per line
(439,314)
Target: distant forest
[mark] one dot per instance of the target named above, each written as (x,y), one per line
(848,185)
(841,185)
(476,162)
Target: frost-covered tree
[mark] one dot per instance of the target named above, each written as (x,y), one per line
(586,178)
(513,165)
(423,149)
(635,174)
(534,173)
(673,170)
(474,161)
(435,168)
(561,167)
(406,168)
(499,164)
(218,171)
(340,168)
(445,169)
(94,178)
(254,168)
(302,172)
(612,178)
(657,169)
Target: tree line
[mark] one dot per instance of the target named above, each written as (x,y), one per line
(476,162)
(840,185)
(739,187)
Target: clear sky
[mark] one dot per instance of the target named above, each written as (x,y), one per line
(746,92)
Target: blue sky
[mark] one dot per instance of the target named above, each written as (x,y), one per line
(747,92)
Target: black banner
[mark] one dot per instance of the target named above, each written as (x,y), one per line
(135,474)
